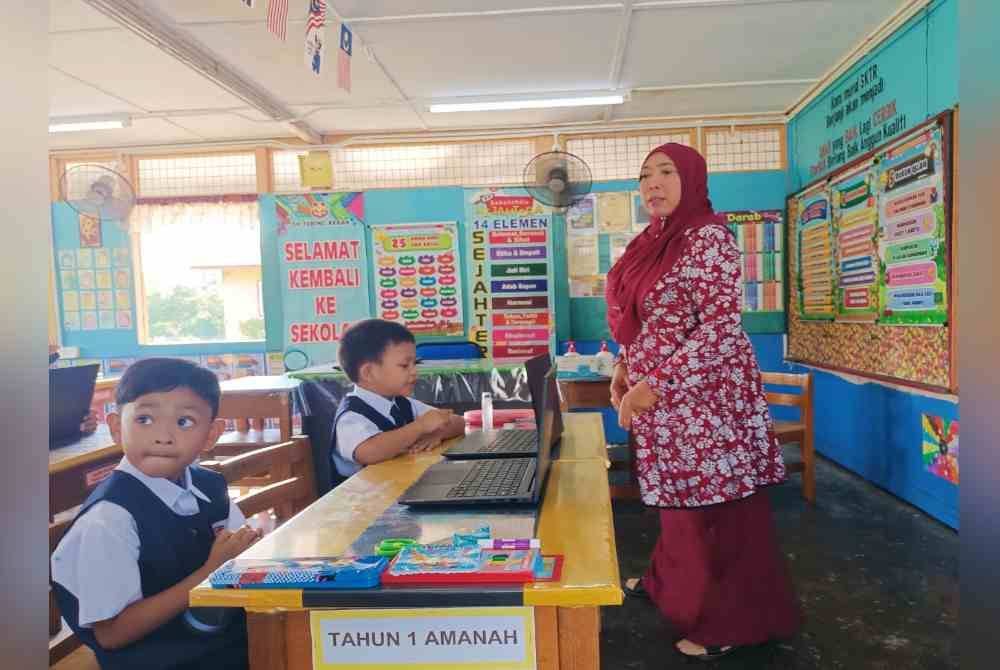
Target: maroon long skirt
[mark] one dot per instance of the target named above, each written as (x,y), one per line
(717,575)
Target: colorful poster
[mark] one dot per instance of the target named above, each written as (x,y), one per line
(90,231)
(814,261)
(913,220)
(581,217)
(640,217)
(855,222)
(940,446)
(581,255)
(614,212)
(618,243)
(759,235)
(322,265)
(416,267)
(512,274)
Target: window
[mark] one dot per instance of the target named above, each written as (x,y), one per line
(200,265)
(745,148)
(495,163)
(620,157)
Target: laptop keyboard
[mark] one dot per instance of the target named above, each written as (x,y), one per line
(493,478)
(521,441)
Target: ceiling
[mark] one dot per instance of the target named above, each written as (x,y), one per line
(673,57)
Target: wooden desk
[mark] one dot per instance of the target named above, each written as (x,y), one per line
(74,470)
(575,520)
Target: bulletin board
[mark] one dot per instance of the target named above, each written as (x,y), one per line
(870,261)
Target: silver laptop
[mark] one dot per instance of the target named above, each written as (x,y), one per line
(492,480)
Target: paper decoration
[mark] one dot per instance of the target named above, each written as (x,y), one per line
(84,259)
(71,320)
(640,217)
(277,18)
(614,212)
(120,256)
(102,279)
(105,300)
(70,301)
(122,279)
(344,58)
(416,267)
(913,222)
(940,446)
(102,258)
(581,216)
(90,231)
(122,299)
(511,279)
(316,170)
(315,22)
(582,257)
(814,263)
(67,260)
(759,236)
(855,217)
(323,270)
(618,243)
(85,279)
(88,320)
(88,300)
(68,279)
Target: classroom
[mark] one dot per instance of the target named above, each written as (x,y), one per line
(238,184)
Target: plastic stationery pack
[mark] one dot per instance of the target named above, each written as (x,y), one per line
(349,572)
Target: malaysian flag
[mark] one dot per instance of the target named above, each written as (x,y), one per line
(344,58)
(314,35)
(277,18)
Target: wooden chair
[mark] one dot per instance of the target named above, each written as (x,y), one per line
(800,431)
(249,411)
(288,468)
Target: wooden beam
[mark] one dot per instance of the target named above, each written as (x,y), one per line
(265,173)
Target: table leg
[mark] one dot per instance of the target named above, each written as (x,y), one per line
(546,638)
(266,640)
(579,638)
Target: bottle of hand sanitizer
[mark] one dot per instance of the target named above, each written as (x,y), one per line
(571,348)
(605,360)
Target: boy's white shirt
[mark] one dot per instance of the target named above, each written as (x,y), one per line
(353,429)
(98,559)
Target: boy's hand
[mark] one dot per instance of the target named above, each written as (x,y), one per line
(426,442)
(229,544)
(434,420)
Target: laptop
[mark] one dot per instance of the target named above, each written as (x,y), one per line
(491,481)
(71,391)
(509,443)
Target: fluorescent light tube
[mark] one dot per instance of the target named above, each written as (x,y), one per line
(69,125)
(527,103)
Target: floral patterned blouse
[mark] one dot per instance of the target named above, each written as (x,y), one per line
(709,438)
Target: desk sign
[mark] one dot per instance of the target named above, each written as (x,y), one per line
(502,638)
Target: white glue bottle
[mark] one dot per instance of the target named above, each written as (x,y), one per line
(487,411)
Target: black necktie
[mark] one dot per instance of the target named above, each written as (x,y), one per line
(396,413)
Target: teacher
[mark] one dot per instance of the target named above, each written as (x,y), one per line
(688,386)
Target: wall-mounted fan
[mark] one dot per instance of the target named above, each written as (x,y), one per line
(99,192)
(557,178)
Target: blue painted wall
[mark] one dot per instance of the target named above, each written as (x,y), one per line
(869,428)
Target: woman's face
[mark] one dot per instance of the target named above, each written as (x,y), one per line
(660,185)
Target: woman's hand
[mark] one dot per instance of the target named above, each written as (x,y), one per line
(619,384)
(638,400)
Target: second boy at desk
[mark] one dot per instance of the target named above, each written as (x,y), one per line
(378,420)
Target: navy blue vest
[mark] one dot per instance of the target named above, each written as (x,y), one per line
(171,547)
(352,403)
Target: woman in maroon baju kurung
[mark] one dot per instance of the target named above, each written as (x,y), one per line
(688,386)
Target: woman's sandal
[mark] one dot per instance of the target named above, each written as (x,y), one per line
(711,653)
(637,591)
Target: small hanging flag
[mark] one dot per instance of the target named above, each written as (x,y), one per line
(277,18)
(344,58)
(314,35)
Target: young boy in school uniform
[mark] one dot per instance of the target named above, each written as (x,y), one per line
(378,420)
(153,530)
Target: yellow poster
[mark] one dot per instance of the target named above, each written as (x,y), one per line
(614,212)
(316,170)
(582,255)
(458,638)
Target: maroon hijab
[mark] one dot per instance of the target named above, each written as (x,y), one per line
(654,251)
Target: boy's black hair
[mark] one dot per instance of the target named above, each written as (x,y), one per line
(366,341)
(159,375)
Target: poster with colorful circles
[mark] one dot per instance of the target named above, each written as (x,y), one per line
(417,277)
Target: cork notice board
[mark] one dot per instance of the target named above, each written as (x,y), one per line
(874,344)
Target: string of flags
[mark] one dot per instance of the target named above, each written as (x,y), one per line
(314,48)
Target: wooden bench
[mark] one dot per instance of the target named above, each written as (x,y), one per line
(249,402)
(290,483)
(799,431)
